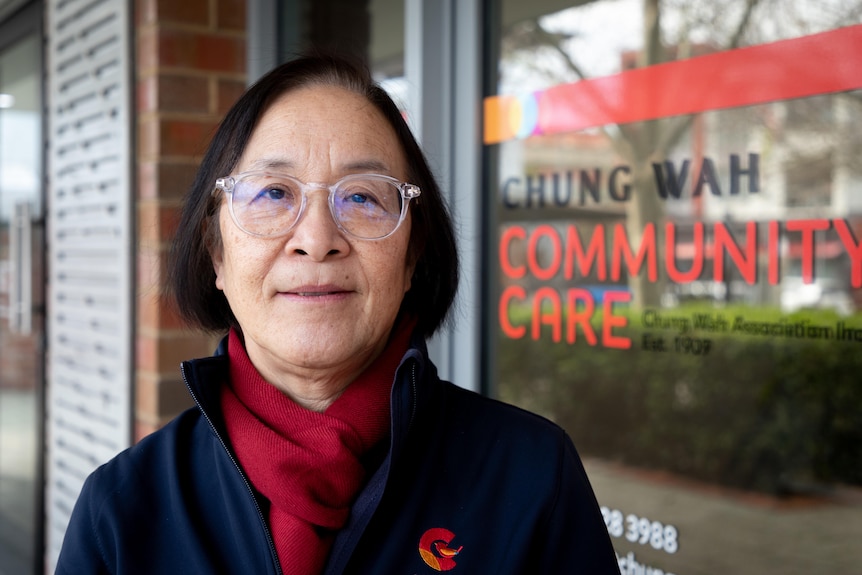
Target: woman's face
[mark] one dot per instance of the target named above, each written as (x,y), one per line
(316,304)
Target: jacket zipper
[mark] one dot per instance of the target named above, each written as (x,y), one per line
(341,562)
(415,396)
(239,470)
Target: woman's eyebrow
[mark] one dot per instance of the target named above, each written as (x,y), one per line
(368,165)
(272,164)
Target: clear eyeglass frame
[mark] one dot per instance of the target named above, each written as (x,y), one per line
(228,185)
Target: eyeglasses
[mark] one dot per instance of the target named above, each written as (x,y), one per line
(269,204)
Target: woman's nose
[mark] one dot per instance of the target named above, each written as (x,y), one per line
(316,234)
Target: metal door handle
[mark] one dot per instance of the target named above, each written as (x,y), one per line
(21,288)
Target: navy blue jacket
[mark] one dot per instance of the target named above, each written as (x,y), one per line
(469,485)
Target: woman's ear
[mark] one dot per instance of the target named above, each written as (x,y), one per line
(217,268)
(214,247)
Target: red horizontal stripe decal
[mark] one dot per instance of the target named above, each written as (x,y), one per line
(817,64)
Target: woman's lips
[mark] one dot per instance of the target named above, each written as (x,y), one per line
(317,291)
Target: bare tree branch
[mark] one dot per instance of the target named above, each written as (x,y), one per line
(750,5)
(653,52)
(620,141)
(675,128)
(554,41)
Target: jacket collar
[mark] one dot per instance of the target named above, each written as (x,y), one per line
(412,387)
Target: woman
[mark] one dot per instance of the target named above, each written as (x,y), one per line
(323,440)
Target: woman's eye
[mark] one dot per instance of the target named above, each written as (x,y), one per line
(358,198)
(275,194)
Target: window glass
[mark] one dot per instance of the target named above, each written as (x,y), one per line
(675,190)
(21,302)
(372,30)
(386,50)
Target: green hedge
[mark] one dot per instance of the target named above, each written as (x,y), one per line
(760,413)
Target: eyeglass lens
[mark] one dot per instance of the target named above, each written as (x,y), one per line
(267,205)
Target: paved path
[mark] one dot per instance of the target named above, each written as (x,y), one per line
(18,453)
(726,532)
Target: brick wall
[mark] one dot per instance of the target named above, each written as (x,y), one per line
(190,66)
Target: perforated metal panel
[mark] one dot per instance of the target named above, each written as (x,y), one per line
(90,247)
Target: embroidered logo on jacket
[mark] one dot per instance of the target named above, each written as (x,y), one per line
(435,551)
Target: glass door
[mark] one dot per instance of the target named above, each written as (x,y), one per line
(21,300)
(674,192)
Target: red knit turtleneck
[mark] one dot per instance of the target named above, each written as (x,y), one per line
(306,463)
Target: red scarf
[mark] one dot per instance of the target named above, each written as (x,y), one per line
(307,464)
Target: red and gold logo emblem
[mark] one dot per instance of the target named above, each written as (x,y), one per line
(434,547)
